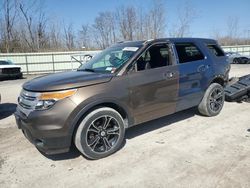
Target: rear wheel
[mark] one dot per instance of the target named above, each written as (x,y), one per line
(100,133)
(236,61)
(212,101)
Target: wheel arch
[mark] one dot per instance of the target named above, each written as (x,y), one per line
(219,80)
(84,109)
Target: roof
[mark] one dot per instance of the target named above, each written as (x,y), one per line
(191,40)
(173,40)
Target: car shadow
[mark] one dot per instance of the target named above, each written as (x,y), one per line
(7,109)
(12,78)
(132,132)
(71,154)
(143,128)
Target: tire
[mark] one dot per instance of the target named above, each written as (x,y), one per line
(19,77)
(100,133)
(213,100)
(236,61)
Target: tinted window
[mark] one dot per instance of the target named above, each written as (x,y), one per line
(5,63)
(156,56)
(215,50)
(188,52)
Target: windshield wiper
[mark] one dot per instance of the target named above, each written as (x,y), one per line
(88,70)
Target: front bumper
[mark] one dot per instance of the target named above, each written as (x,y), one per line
(47,130)
(13,75)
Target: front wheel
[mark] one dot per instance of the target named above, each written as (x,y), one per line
(100,133)
(212,101)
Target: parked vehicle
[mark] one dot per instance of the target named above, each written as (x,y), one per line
(9,70)
(125,85)
(236,58)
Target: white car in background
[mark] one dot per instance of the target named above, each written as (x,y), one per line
(9,70)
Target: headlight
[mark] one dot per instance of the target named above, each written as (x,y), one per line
(44,104)
(48,99)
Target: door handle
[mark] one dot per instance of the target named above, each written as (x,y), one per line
(202,68)
(169,74)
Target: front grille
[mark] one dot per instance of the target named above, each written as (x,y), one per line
(10,70)
(30,98)
(21,103)
(27,99)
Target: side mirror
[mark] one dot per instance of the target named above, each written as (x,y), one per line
(87,57)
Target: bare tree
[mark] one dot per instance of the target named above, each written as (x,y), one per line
(26,12)
(127,20)
(34,19)
(55,35)
(69,36)
(216,34)
(135,23)
(186,16)
(84,36)
(9,13)
(231,37)
(104,28)
(140,25)
(42,38)
(157,17)
(232,26)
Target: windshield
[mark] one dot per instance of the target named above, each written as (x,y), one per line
(109,60)
(6,63)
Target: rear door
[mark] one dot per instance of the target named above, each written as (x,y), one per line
(194,70)
(153,84)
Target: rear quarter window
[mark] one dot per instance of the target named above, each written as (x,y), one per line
(188,52)
(215,50)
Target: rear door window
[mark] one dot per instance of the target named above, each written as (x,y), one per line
(188,52)
(215,50)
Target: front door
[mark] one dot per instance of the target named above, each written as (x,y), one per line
(153,84)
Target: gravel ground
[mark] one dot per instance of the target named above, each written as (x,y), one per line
(180,150)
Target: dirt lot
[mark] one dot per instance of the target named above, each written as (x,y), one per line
(181,150)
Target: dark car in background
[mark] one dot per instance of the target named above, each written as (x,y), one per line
(126,84)
(237,58)
(9,70)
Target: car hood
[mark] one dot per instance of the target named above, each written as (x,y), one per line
(66,80)
(9,66)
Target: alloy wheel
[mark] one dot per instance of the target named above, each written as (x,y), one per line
(216,100)
(102,134)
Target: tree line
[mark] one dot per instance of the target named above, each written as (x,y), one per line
(26,27)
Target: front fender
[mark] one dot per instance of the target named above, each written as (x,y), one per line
(87,105)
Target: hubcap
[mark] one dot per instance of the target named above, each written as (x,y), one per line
(216,100)
(102,134)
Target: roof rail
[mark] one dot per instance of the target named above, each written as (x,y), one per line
(147,41)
